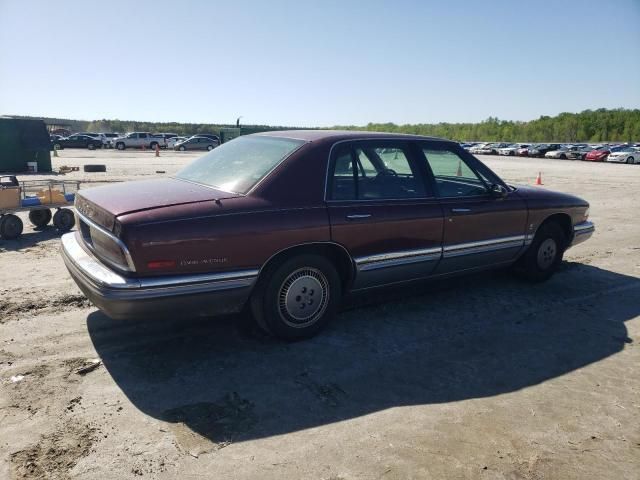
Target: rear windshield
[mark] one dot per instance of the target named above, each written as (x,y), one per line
(236,166)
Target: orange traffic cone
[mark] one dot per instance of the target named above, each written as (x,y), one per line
(459,172)
(539,179)
(157,150)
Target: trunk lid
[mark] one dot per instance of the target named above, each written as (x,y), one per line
(103,204)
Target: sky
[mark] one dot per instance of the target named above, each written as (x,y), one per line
(317,63)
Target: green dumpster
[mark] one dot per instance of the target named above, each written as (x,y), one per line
(23,142)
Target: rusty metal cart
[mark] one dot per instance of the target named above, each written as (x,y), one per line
(38,197)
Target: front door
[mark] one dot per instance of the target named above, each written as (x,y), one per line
(480,228)
(383,212)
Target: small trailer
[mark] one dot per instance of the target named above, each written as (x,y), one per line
(38,197)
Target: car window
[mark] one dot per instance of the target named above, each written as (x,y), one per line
(454,178)
(142,135)
(371,171)
(238,165)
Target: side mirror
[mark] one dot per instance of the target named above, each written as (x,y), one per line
(498,191)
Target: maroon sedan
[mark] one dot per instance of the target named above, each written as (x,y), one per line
(598,154)
(285,223)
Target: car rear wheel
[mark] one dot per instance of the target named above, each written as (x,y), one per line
(544,255)
(92,146)
(296,298)
(209,147)
(64,219)
(40,218)
(631,160)
(563,156)
(10,227)
(120,146)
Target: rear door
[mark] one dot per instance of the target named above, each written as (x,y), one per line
(480,229)
(382,211)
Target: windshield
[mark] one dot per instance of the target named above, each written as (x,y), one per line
(236,166)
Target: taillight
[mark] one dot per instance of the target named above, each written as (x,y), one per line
(156,264)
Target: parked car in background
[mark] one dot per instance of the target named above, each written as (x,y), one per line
(599,154)
(478,147)
(579,153)
(213,137)
(138,140)
(165,138)
(625,155)
(512,149)
(564,152)
(78,141)
(523,151)
(171,142)
(109,138)
(100,136)
(491,148)
(331,213)
(196,143)
(542,148)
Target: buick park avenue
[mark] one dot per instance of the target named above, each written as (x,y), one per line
(283,224)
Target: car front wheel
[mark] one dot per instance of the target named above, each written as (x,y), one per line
(182,148)
(544,255)
(298,297)
(120,146)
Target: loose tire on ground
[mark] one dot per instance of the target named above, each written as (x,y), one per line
(95,168)
(10,227)
(296,298)
(544,255)
(64,220)
(40,218)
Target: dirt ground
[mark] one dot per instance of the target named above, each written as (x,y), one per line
(482,377)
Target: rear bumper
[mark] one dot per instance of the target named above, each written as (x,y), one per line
(581,232)
(122,297)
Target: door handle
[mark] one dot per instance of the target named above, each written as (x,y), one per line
(460,210)
(358,216)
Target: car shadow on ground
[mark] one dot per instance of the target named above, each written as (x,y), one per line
(430,343)
(30,238)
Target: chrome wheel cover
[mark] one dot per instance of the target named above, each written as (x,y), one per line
(547,253)
(303,297)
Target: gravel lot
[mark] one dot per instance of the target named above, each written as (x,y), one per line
(480,377)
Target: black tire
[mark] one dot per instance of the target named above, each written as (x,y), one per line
(209,147)
(120,146)
(64,220)
(95,168)
(153,145)
(297,297)
(544,255)
(91,146)
(631,160)
(182,148)
(563,156)
(10,227)
(40,218)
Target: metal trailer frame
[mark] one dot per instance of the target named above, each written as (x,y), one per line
(11,225)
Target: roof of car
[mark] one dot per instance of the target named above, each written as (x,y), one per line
(316,135)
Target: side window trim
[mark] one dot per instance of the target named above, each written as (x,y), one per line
(416,165)
(463,155)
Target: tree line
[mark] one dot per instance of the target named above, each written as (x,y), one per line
(601,125)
